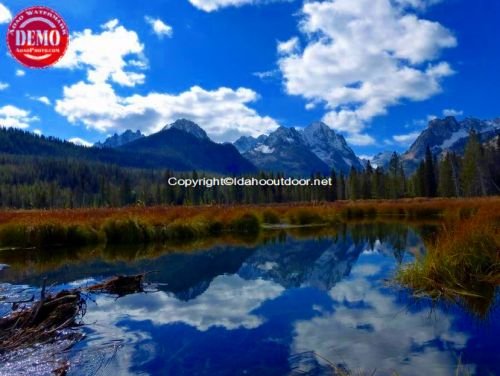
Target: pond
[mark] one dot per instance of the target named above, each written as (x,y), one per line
(291,303)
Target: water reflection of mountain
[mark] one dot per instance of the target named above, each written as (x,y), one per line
(322,263)
(315,263)
(285,260)
(186,275)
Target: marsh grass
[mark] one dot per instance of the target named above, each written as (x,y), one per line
(137,225)
(462,266)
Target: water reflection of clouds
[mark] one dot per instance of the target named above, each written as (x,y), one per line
(370,329)
(228,302)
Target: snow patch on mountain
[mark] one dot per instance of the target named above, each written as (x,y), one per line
(264,149)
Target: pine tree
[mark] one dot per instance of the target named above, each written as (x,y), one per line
(473,183)
(446,186)
(367,176)
(430,184)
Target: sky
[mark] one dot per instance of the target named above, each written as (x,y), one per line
(374,70)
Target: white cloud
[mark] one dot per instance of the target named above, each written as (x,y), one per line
(4,85)
(364,56)
(288,47)
(406,138)
(213,5)
(223,112)
(5,15)
(14,117)
(42,99)
(267,74)
(160,28)
(452,112)
(20,73)
(417,4)
(360,139)
(113,55)
(80,142)
(38,132)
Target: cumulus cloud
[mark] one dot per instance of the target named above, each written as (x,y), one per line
(363,56)
(213,5)
(288,47)
(452,112)
(160,28)
(5,15)
(4,85)
(406,139)
(80,142)
(223,113)
(417,4)
(115,54)
(20,73)
(360,139)
(14,117)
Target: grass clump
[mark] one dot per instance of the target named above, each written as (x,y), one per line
(304,216)
(248,223)
(47,234)
(270,217)
(463,266)
(127,231)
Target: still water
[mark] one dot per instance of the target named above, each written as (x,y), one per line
(289,304)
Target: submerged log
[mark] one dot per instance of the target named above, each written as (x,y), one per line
(120,285)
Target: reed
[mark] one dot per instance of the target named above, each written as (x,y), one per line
(462,266)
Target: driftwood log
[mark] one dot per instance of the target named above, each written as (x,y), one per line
(41,321)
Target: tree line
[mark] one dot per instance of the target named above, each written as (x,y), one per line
(45,182)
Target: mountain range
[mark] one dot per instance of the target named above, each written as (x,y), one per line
(315,148)
(185,146)
(181,146)
(448,135)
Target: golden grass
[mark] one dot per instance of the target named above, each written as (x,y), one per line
(42,228)
(462,265)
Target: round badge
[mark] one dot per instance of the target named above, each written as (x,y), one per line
(37,37)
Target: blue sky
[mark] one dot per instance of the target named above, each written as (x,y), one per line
(374,70)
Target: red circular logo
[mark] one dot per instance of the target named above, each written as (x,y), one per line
(37,37)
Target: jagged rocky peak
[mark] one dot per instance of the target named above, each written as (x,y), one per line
(330,147)
(285,150)
(285,135)
(382,159)
(246,143)
(189,127)
(118,140)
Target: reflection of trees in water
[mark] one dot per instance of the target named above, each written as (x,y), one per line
(316,256)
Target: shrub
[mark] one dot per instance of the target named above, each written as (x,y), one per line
(270,217)
(248,223)
(302,217)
